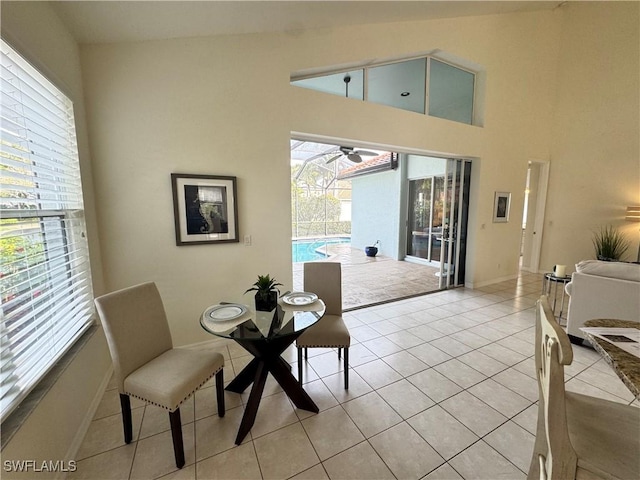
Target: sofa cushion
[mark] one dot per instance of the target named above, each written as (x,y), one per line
(620,270)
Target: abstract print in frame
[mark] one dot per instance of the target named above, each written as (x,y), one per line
(205,209)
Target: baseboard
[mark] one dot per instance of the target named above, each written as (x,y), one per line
(528,270)
(490,282)
(206,342)
(72,452)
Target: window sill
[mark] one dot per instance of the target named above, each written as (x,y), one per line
(17,418)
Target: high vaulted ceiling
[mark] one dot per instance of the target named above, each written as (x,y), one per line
(124,21)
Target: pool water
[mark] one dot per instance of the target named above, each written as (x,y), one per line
(305,250)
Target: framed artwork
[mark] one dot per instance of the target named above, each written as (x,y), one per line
(501,206)
(205,209)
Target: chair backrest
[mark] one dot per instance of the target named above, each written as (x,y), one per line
(325,280)
(556,456)
(136,327)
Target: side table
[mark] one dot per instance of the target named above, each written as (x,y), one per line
(550,278)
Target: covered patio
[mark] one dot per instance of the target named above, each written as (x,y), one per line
(372,280)
(322,177)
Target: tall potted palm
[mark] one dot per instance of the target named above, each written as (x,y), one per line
(266,289)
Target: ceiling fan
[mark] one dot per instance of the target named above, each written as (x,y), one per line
(352,154)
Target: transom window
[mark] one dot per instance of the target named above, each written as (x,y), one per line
(423,85)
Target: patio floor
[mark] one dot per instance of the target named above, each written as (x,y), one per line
(371,280)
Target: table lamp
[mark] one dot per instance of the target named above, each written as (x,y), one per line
(633,215)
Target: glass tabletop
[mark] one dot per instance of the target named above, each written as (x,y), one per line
(256,325)
(552,276)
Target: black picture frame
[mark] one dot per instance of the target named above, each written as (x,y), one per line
(205,209)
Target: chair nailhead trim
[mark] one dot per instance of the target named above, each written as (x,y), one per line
(181,401)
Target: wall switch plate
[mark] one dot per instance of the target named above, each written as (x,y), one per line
(247,240)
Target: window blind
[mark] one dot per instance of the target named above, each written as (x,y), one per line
(45,278)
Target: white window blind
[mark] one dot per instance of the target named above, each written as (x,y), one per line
(45,278)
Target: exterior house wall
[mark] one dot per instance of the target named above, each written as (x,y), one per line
(386,191)
(421,167)
(375,212)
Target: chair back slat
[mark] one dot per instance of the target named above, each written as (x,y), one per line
(557,457)
(136,327)
(325,280)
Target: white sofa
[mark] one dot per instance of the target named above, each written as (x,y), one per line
(602,290)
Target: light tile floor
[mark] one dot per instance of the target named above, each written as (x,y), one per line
(441,387)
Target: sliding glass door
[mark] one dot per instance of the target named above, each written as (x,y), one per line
(437,220)
(426,202)
(454,231)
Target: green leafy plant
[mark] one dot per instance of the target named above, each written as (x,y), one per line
(264,286)
(609,243)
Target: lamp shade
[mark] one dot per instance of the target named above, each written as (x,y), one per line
(633,214)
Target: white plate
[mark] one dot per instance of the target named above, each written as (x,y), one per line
(300,298)
(230,311)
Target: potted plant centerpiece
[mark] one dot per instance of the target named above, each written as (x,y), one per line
(266,293)
(610,244)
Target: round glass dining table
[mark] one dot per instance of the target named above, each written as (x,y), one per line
(252,325)
(265,335)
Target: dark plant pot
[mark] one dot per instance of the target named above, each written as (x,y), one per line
(371,251)
(606,259)
(266,304)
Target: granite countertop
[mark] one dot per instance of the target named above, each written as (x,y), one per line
(626,365)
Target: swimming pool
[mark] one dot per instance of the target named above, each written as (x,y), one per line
(305,250)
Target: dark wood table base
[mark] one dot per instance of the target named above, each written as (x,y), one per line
(267,360)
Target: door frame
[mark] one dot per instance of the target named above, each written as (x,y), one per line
(538,223)
(456,173)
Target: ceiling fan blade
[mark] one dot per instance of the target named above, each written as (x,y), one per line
(354,157)
(334,158)
(366,153)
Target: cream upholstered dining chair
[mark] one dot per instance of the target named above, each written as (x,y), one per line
(146,364)
(325,280)
(578,436)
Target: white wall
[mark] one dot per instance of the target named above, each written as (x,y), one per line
(376,212)
(57,423)
(595,154)
(223,105)
(205,106)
